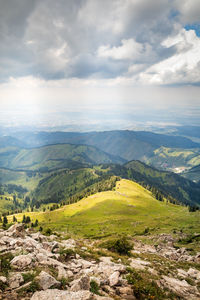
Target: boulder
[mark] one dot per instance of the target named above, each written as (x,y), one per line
(139,264)
(62,273)
(17,230)
(125,290)
(114,278)
(21,261)
(180,287)
(45,260)
(68,244)
(15,280)
(80,284)
(39,237)
(55,294)
(3,279)
(46,281)
(194,273)
(182,273)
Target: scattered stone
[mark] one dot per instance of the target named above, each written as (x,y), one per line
(43,252)
(139,264)
(69,244)
(180,287)
(194,273)
(84,248)
(16,230)
(46,281)
(15,280)
(182,273)
(21,261)
(55,294)
(125,290)
(3,279)
(62,273)
(80,284)
(114,278)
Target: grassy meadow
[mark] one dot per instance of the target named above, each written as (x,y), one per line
(129,209)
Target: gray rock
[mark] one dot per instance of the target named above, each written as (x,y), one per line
(139,264)
(182,273)
(194,273)
(21,261)
(180,287)
(46,281)
(3,279)
(55,294)
(15,280)
(80,284)
(39,237)
(126,290)
(68,244)
(114,278)
(62,273)
(16,229)
(45,260)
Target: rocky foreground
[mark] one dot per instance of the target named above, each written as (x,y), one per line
(34,266)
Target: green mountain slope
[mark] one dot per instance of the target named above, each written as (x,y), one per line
(62,185)
(193,173)
(176,159)
(7,154)
(169,184)
(130,209)
(58,156)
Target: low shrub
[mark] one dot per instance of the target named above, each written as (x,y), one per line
(65,254)
(144,289)
(28,277)
(94,287)
(48,231)
(63,283)
(5,263)
(33,287)
(120,245)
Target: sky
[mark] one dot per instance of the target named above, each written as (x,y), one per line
(99,64)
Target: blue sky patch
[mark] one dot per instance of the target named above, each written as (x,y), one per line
(195,27)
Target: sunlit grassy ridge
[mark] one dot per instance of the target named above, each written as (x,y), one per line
(129,209)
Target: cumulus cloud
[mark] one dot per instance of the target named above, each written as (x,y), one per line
(182,67)
(129,49)
(140,40)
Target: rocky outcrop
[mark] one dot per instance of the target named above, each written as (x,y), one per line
(50,268)
(180,287)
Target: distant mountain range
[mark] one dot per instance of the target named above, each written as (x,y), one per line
(54,157)
(55,166)
(124,143)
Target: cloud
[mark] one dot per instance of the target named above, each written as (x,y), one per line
(129,49)
(182,67)
(136,40)
(189,11)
